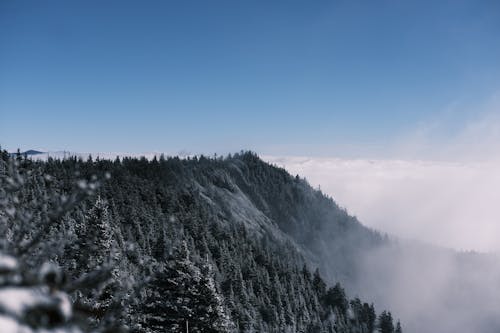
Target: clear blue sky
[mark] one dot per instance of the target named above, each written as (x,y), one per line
(206,76)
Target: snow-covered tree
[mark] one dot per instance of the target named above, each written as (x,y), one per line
(34,211)
(211,312)
(95,241)
(172,294)
(182,296)
(36,304)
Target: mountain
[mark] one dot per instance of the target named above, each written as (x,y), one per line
(30,152)
(235,244)
(210,243)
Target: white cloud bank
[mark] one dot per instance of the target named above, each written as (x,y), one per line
(446,203)
(439,183)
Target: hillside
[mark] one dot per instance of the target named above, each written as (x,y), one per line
(271,253)
(240,236)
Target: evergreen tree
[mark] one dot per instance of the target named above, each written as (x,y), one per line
(385,324)
(368,316)
(318,283)
(34,216)
(182,295)
(170,303)
(95,241)
(336,298)
(210,311)
(398,328)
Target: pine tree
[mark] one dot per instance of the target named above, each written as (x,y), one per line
(369,316)
(385,324)
(318,283)
(210,311)
(336,298)
(35,230)
(95,237)
(171,295)
(181,295)
(398,328)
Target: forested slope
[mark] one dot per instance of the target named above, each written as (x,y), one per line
(209,244)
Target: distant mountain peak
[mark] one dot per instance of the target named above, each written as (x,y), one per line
(29,152)
(32,152)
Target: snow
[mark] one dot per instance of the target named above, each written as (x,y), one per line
(64,304)
(7,263)
(9,325)
(15,301)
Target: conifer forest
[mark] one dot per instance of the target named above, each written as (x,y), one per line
(195,244)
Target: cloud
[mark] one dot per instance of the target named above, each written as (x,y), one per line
(437,188)
(452,204)
(446,203)
(455,134)
(440,183)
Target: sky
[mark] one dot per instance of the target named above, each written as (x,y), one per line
(393,107)
(294,77)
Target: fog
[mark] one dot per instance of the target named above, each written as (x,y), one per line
(452,204)
(433,290)
(436,197)
(438,182)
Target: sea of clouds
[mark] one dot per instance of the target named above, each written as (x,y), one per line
(452,204)
(438,183)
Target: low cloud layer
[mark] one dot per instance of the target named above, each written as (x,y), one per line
(439,183)
(445,203)
(444,192)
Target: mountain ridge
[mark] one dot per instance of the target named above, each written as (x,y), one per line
(239,209)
